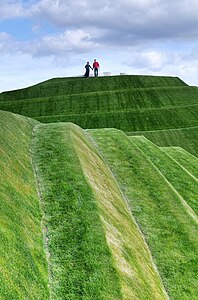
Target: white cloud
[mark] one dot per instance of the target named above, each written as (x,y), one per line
(13,9)
(7,43)
(143,18)
(68,41)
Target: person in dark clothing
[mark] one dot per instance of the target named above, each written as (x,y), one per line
(87,67)
(96,66)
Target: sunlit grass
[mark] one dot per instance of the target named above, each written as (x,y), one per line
(179,178)
(24,273)
(168,228)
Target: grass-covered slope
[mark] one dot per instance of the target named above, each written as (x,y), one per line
(96,249)
(188,161)
(185,138)
(168,227)
(179,178)
(118,213)
(76,85)
(24,273)
(129,103)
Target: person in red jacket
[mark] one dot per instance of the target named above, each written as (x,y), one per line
(96,66)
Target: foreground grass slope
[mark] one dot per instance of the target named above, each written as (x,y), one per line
(167,226)
(129,103)
(97,250)
(24,273)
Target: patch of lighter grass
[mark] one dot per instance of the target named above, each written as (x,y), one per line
(138,276)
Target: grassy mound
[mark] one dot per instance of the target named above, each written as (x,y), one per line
(24,273)
(168,227)
(129,103)
(96,249)
(69,85)
(112,216)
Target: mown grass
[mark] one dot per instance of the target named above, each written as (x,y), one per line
(24,272)
(135,120)
(104,101)
(168,229)
(185,138)
(129,103)
(81,264)
(69,85)
(181,180)
(184,158)
(137,275)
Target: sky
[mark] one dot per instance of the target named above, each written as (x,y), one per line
(42,39)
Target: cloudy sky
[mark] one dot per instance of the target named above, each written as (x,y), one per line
(41,39)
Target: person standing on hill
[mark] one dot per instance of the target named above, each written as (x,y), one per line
(96,66)
(87,67)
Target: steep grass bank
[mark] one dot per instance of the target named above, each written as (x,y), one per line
(184,158)
(24,273)
(168,228)
(129,103)
(149,119)
(97,250)
(103,101)
(69,85)
(137,274)
(181,180)
(185,138)
(81,265)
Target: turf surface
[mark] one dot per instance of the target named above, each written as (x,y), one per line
(188,161)
(113,212)
(181,180)
(24,272)
(168,228)
(80,261)
(129,103)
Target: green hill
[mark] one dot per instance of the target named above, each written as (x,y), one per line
(129,103)
(100,213)
(93,245)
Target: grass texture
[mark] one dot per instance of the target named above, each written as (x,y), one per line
(185,184)
(80,261)
(96,249)
(137,274)
(168,228)
(24,272)
(188,161)
(185,138)
(129,103)
(113,217)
